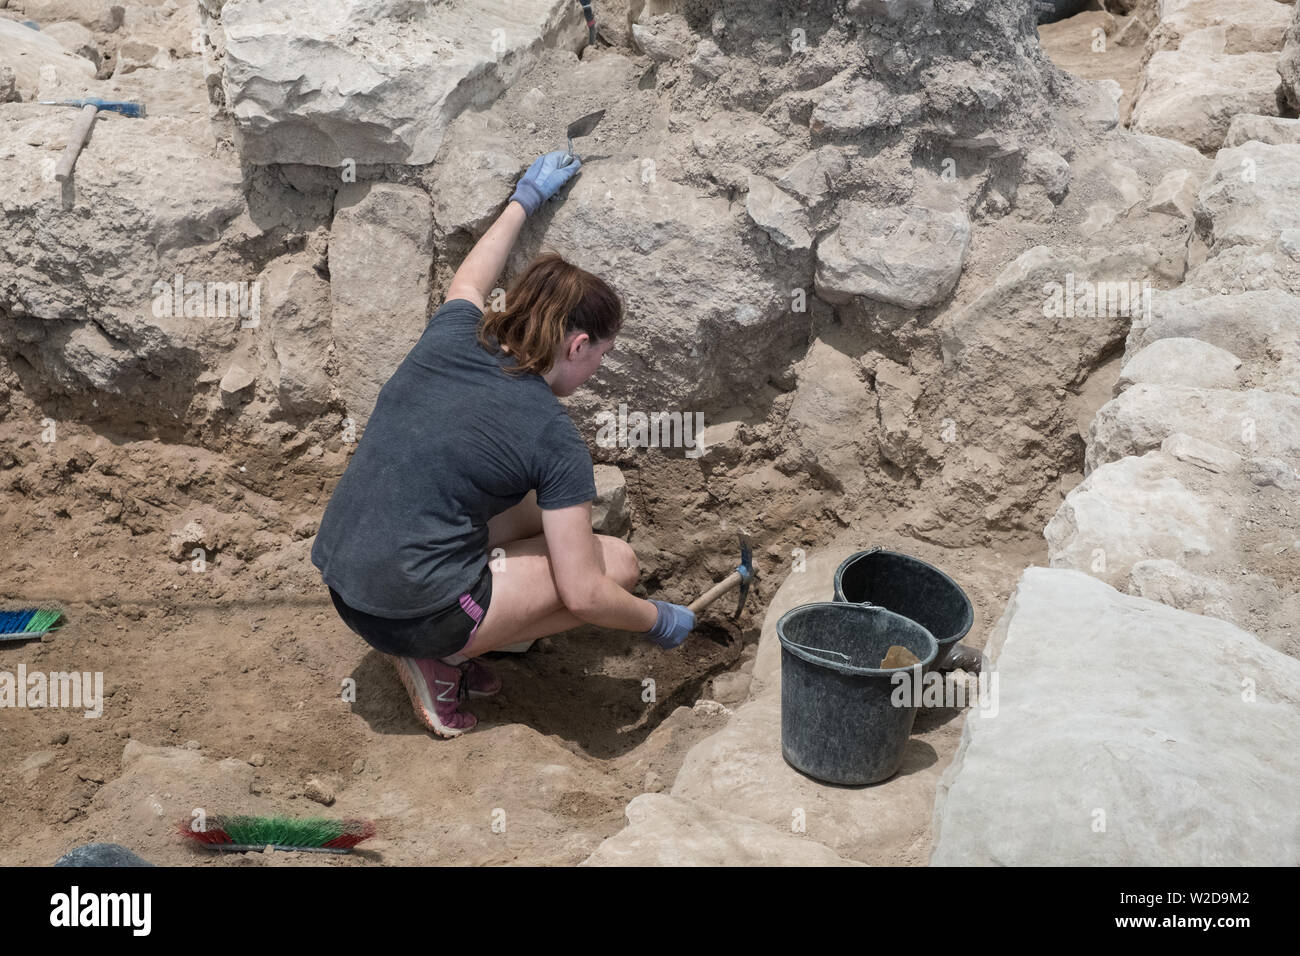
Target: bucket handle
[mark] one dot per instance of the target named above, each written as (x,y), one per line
(818,650)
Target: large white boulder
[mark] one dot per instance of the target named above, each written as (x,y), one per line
(42,65)
(1247,324)
(372,81)
(1127,734)
(1252,422)
(1180,361)
(1192,97)
(1244,26)
(1274,130)
(905,255)
(1262,328)
(1132,510)
(1251,197)
(661,244)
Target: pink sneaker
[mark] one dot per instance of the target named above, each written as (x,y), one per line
(480,681)
(436,690)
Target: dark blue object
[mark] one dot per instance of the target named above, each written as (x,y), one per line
(1049,11)
(101,854)
(838,721)
(910,587)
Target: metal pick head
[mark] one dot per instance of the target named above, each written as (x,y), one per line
(746,569)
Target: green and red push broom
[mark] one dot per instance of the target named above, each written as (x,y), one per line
(310,835)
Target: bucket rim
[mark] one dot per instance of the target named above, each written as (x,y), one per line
(968,621)
(850,669)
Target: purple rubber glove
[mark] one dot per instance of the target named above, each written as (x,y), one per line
(674,623)
(544,179)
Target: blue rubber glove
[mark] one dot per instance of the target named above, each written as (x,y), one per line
(674,623)
(544,179)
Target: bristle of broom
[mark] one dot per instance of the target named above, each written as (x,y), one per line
(31,620)
(287,832)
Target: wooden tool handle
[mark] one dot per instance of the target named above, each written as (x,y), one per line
(76,139)
(715,592)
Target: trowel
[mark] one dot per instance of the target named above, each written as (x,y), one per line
(581,127)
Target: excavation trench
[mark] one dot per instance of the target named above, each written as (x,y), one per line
(178,536)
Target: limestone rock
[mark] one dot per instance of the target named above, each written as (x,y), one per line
(708,352)
(1272,471)
(1169,583)
(909,256)
(780,215)
(318,792)
(663,37)
(1175,195)
(902,437)
(740,770)
(665,830)
(826,427)
(1200,453)
(813,177)
(1243,26)
(1273,130)
(708,60)
(1251,196)
(1181,361)
(1248,324)
(1246,422)
(609,512)
(371,82)
(847,106)
(236,379)
(1288,64)
(1128,511)
(1192,97)
(1161,691)
(118,330)
(1048,318)
(1049,170)
(27,52)
(471,192)
(74,37)
(298,322)
(381,251)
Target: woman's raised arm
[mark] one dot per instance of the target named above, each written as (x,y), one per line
(476,275)
(474,278)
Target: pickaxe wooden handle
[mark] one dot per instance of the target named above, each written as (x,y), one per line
(76,139)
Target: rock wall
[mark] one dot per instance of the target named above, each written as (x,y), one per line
(1145,728)
(763,172)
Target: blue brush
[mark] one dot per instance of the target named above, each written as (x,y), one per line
(27,623)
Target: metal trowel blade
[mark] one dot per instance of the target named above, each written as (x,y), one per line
(584,125)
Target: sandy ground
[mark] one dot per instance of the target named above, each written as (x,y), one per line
(207,674)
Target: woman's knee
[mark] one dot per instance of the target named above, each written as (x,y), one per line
(620,561)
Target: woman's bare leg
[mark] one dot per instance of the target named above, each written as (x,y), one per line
(525,601)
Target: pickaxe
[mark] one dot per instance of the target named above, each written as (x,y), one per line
(77,138)
(743,574)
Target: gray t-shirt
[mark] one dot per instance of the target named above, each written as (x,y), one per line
(453,440)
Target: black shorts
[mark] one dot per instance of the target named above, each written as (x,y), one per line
(439,634)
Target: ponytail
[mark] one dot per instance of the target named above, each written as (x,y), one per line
(547,301)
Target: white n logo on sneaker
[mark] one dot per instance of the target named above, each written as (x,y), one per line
(451,688)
